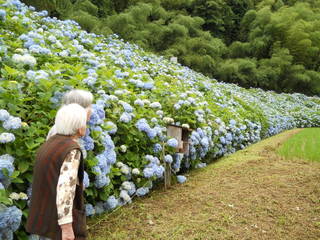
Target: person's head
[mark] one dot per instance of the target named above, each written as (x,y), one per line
(71,120)
(82,97)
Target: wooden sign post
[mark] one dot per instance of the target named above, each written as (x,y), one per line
(182,136)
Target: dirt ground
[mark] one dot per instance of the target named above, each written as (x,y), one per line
(252,194)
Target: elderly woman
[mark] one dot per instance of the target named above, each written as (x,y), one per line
(57,208)
(81,97)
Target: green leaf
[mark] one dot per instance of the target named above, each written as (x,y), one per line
(17,180)
(23,166)
(89,192)
(15,174)
(4,198)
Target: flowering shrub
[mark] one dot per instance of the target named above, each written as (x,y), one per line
(137,95)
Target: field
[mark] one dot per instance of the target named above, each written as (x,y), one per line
(252,194)
(304,145)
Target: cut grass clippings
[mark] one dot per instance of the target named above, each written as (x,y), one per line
(252,194)
(304,145)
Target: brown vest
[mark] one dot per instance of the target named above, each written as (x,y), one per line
(43,216)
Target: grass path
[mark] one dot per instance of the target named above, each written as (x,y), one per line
(252,194)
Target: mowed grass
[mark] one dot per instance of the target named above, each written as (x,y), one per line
(252,194)
(304,145)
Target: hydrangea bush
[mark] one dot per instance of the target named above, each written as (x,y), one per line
(137,94)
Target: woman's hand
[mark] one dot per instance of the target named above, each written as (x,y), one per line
(67,231)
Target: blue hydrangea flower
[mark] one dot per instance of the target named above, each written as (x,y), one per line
(6,163)
(127,107)
(157,147)
(98,208)
(159,171)
(139,102)
(201,165)
(124,195)
(86,181)
(113,127)
(125,117)
(142,125)
(6,234)
(101,181)
(229,137)
(107,141)
(148,172)
(155,105)
(181,179)
(3,14)
(232,122)
(102,162)
(97,115)
(10,218)
(111,156)
(129,187)
(111,203)
(172,142)
(12,123)
(7,138)
(142,191)
(29,191)
(223,140)
(148,85)
(52,39)
(89,210)
(4,115)
(177,164)
(88,141)
(168,158)
(151,133)
(33,237)
(205,142)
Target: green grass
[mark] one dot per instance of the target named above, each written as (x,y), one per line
(304,145)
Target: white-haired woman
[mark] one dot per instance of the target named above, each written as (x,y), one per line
(57,206)
(82,97)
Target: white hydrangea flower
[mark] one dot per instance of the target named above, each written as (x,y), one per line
(168,120)
(146,101)
(123,148)
(125,196)
(25,59)
(155,105)
(125,169)
(119,164)
(159,113)
(126,185)
(135,171)
(15,196)
(23,196)
(185,125)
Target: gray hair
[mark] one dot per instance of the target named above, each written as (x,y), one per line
(70,118)
(82,97)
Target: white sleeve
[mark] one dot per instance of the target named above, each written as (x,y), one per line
(66,186)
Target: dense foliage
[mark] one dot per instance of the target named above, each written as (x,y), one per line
(271,44)
(137,94)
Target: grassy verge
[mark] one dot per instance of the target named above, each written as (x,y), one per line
(252,194)
(304,145)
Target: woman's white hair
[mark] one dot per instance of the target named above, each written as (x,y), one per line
(82,97)
(70,118)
